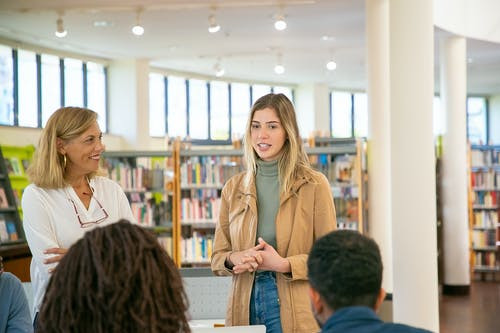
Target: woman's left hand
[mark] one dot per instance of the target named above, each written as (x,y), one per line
(271,260)
(58,252)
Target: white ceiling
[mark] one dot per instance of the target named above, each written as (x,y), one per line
(176,37)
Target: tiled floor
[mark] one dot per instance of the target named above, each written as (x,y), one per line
(478,312)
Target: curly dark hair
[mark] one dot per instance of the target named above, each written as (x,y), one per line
(115,279)
(345,268)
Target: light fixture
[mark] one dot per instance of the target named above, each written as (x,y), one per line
(138,29)
(331,65)
(213,26)
(218,69)
(279,68)
(280,23)
(60,31)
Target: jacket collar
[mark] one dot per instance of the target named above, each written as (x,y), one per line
(349,315)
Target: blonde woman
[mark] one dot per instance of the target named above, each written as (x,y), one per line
(66,197)
(270,217)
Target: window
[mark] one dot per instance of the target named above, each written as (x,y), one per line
(476,120)
(219,110)
(6,86)
(259,90)
(96,92)
(198,109)
(341,114)
(437,117)
(177,107)
(28,89)
(360,115)
(285,91)
(73,82)
(156,105)
(51,86)
(240,108)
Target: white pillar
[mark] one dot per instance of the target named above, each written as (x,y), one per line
(379,137)
(129,99)
(453,77)
(413,185)
(313,108)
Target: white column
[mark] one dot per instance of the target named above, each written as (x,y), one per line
(379,137)
(313,108)
(129,99)
(453,77)
(413,185)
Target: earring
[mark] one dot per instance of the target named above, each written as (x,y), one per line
(64,161)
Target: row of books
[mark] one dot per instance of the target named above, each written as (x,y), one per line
(485,198)
(485,179)
(482,239)
(152,212)
(488,259)
(485,158)
(340,169)
(486,219)
(212,170)
(8,231)
(4,203)
(197,248)
(346,209)
(138,179)
(194,209)
(15,166)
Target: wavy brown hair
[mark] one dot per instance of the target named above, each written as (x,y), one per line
(116,279)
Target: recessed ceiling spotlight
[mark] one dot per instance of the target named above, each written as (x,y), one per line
(331,65)
(327,38)
(279,69)
(213,26)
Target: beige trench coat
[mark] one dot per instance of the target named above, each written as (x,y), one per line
(305,214)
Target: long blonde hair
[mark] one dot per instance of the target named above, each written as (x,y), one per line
(293,157)
(47,170)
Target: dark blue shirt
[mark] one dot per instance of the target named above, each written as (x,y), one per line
(361,319)
(14,312)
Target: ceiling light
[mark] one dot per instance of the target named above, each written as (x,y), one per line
(331,65)
(213,26)
(327,38)
(102,24)
(60,31)
(279,69)
(138,29)
(280,23)
(218,69)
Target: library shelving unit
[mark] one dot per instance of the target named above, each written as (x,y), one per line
(13,246)
(202,174)
(484,209)
(147,178)
(343,162)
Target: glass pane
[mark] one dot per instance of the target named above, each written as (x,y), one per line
(198,109)
(437,116)
(28,95)
(259,90)
(177,107)
(156,105)
(240,108)
(360,115)
(6,86)
(96,92)
(51,86)
(476,118)
(73,82)
(285,91)
(219,110)
(341,114)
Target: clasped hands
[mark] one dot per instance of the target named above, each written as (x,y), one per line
(262,256)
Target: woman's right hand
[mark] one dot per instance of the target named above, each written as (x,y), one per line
(58,254)
(247,260)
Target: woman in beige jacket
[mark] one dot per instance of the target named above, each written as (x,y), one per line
(269,218)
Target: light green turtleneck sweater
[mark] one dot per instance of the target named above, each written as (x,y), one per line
(268,200)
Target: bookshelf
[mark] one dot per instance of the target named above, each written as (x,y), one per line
(202,175)
(11,231)
(484,209)
(343,162)
(147,179)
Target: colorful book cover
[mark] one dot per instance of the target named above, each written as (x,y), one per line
(12,231)
(4,203)
(4,235)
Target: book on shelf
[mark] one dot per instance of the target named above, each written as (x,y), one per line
(8,231)
(197,248)
(4,203)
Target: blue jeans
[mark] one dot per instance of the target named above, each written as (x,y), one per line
(264,302)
